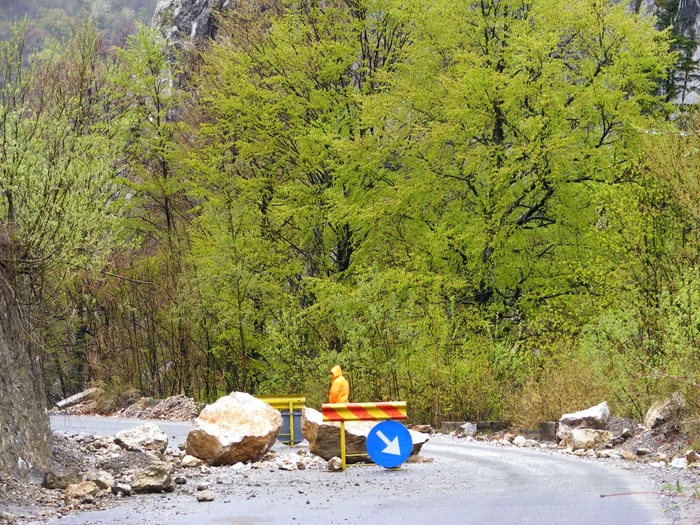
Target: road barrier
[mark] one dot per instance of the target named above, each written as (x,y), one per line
(343,412)
(289,405)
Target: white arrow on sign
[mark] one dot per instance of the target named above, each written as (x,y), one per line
(392,447)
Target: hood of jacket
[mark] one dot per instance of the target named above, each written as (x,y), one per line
(336,371)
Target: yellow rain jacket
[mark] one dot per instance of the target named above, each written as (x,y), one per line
(340,389)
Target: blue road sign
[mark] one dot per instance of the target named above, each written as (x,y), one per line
(389,444)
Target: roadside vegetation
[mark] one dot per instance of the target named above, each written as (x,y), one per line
(489,210)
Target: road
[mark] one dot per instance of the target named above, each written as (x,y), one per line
(467,483)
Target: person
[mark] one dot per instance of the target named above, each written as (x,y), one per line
(340,389)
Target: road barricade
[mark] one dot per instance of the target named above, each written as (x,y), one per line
(290,406)
(343,412)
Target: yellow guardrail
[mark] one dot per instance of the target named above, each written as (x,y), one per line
(288,402)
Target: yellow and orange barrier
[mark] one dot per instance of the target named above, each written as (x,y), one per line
(343,412)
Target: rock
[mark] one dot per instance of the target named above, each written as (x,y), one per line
(691,456)
(60,479)
(519,441)
(121,488)
(180,480)
(642,451)
(665,410)
(190,461)
(147,437)
(587,438)
(594,417)
(205,495)
(154,478)
(564,434)
(468,429)
(629,456)
(236,428)
(182,20)
(679,463)
(324,437)
(335,464)
(104,480)
(84,491)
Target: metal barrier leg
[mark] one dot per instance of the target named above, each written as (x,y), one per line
(291,425)
(342,445)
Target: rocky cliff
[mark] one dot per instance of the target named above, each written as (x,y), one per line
(178,20)
(24,423)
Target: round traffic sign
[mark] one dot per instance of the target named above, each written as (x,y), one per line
(389,444)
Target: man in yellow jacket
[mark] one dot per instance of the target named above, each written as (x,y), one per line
(340,389)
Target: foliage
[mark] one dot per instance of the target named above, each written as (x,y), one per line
(462,204)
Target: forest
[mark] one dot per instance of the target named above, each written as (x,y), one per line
(57,19)
(486,209)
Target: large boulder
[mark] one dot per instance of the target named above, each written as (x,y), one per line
(146,437)
(594,417)
(324,437)
(587,438)
(664,410)
(236,428)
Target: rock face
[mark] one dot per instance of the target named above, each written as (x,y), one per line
(144,437)
(24,423)
(662,411)
(324,438)
(236,428)
(178,20)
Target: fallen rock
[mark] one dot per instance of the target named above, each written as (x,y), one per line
(587,438)
(236,428)
(519,441)
(143,437)
(154,478)
(594,417)
(122,489)
(102,479)
(324,437)
(205,495)
(190,461)
(628,455)
(679,463)
(335,464)
(665,410)
(61,479)
(84,491)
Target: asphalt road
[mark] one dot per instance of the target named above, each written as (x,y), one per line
(467,483)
